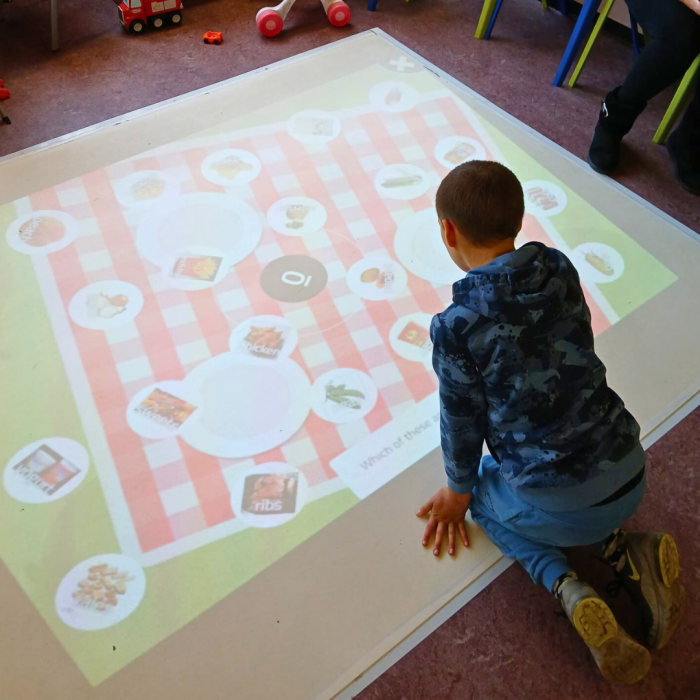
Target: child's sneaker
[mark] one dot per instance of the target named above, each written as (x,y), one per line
(648,566)
(619,658)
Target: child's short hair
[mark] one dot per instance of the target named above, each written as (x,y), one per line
(484,200)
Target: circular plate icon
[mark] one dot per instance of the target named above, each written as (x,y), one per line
(207,219)
(231,167)
(393,96)
(598,263)
(343,395)
(269,495)
(264,337)
(100,592)
(313,127)
(42,232)
(419,248)
(455,150)
(145,188)
(46,470)
(401,181)
(296,216)
(249,405)
(377,278)
(104,305)
(544,198)
(410,337)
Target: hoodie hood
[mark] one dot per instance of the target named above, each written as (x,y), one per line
(525,287)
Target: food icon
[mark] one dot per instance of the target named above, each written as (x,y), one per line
(296,213)
(101,305)
(103,587)
(599,264)
(402,181)
(40,231)
(340,394)
(379,278)
(265,341)
(147,188)
(415,335)
(202,268)
(231,166)
(460,153)
(46,469)
(270,494)
(165,409)
(541,198)
(308,125)
(393,97)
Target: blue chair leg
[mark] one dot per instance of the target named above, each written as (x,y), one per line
(372,5)
(585,19)
(635,36)
(563,6)
(492,21)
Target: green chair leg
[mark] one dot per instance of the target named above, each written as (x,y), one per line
(679,101)
(545,4)
(484,18)
(591,40)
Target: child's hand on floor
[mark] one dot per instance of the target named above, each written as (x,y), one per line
(447,510)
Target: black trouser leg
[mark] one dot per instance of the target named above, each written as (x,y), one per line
(674,42)
(690,126)
(674,32)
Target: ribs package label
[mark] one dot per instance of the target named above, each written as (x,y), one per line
(270,494)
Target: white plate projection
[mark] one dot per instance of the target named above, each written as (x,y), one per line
(249,405)
(419,248)
(207,219)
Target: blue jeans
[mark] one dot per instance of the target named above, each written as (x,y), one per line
(533,536)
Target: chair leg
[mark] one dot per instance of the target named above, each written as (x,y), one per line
(493,19)
(636,47)
(563,6)
(588,11)
(54,25)
(679,101)
(545,4)
(485,18)
(372,5)
(591,40)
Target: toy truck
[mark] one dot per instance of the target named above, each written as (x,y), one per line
(135,14)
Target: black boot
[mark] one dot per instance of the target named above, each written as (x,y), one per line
(683,146)
(614,121)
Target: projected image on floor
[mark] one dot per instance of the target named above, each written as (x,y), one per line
(243,320)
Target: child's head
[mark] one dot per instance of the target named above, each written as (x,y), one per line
(480,206)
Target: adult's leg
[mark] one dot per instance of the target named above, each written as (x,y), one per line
(674,32)
(674,42)
(684,146)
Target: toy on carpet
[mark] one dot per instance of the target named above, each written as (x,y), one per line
(136,14)
(213,37)
(4,94)
(271,19)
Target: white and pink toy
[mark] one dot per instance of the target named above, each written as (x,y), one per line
(271,19)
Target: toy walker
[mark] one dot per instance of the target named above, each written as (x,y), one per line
(271,19)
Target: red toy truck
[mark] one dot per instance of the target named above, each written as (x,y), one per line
(135,14)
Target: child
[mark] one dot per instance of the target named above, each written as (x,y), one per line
(517,368)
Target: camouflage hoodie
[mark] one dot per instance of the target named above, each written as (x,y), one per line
(517,368)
